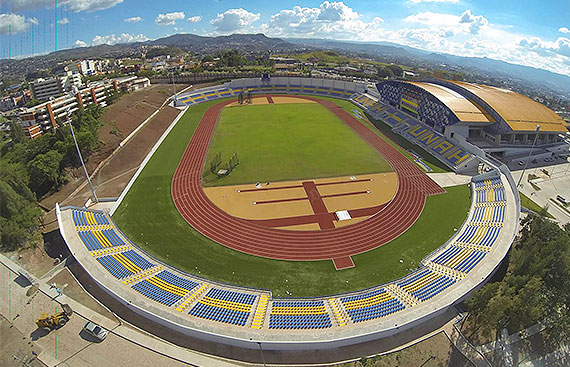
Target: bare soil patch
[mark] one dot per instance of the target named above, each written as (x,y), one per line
(435,351)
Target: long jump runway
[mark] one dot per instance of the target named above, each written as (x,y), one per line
(337,244)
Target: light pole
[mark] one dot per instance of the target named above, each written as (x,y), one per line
(68,111)
(529,155)
(174,87)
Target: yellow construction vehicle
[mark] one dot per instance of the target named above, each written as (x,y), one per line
(55,321)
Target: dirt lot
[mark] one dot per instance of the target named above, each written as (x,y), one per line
(435,351)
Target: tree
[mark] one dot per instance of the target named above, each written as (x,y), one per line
(385,72)
(18,212)
(208,58)
(396,69)
(535,287)
(16,132)
(32,102)
(45,172)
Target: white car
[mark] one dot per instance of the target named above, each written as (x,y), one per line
(95,331)
(521,163)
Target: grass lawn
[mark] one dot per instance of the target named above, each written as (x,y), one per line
(149,218)
(531,205)
(280,142)
(397,141)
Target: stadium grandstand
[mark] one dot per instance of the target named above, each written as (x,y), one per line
(200,307)
(244,317)
(501,122)
(456,122)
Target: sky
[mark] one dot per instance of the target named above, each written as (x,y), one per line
(527,32)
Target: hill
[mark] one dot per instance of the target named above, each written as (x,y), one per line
(485,68)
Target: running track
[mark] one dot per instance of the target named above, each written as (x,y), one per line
(336,244)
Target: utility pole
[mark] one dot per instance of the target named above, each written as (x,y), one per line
(529,155)
(68,111)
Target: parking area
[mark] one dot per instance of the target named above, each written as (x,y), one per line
(550,179)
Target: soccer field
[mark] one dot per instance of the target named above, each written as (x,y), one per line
(149,218)
(279,142)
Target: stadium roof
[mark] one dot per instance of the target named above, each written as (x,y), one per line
(521,113)
(465,109)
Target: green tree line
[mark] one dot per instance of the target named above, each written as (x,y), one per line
(536,287)
(31,169)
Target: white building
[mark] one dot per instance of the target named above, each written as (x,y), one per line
(70,80)
(88,67)
(43,89)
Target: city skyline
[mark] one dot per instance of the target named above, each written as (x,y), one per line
(526,33)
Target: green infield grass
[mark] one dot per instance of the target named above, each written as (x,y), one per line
(149,218)
(397,141)
(281,142)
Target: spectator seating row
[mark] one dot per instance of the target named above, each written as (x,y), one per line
(483,236)
(487,183)
(371,305)
(496,194)
(165,287)
(225,306)
(424,283)
(459,258)
(419,133)
(199,97)
(86,218)
(119,269)
(299,315)
(99,239)
(489,215)
(363,100)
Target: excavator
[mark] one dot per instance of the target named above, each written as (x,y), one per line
(55,321)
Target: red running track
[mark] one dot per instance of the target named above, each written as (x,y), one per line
(246,236)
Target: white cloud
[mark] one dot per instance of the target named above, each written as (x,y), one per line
(563,30)
(330,19)
(80,43)
(132,20)
(433,1)
(73,5)
(466,22)
(545,48)
(14,23)
(463,34)
(234,20)
(169,18)
(63,21)
(113,40)
(476,21)
(336,11)
(433,19)
(194,19)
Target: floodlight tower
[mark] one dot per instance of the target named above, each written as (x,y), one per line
(68,111)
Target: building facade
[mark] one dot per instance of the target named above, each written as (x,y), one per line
(502,122)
